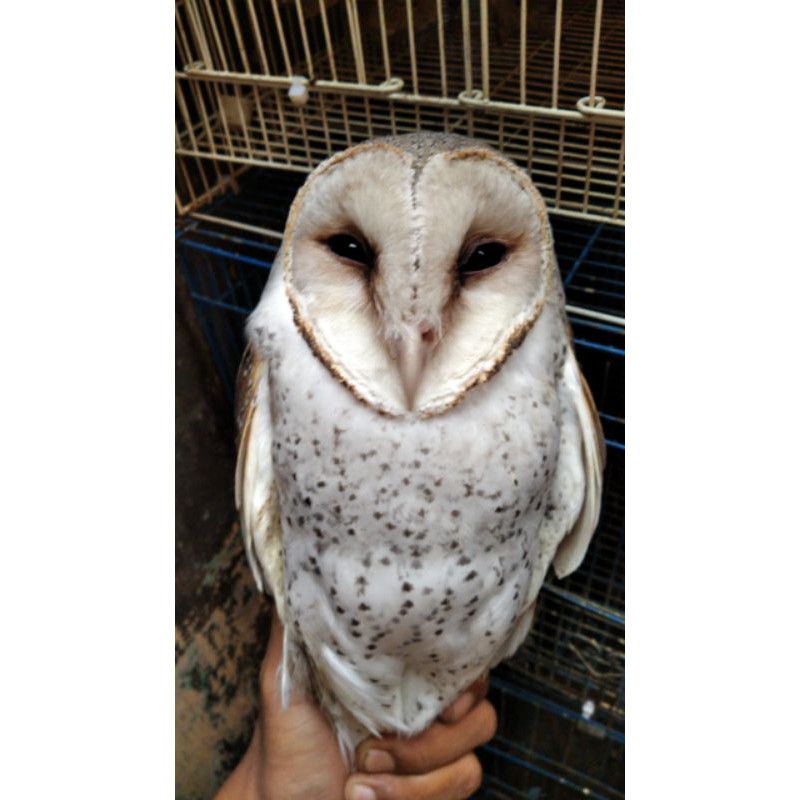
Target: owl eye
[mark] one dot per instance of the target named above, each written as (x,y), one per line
(484,256)
(346,246)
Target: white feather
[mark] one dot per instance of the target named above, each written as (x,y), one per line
(573,548)
(351,690)
(256,494)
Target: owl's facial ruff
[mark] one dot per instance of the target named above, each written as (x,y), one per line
(409,332)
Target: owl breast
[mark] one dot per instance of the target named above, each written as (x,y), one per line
(409,544)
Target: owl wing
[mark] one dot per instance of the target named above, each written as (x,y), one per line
(256,493)
(581,461)
(573,505)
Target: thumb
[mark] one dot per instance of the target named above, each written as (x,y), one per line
(269,678)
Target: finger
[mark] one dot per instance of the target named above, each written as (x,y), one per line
(456,781)
(268,673)
(466,701)
(435,747)
(274,652)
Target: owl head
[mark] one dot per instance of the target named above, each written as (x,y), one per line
(414,265)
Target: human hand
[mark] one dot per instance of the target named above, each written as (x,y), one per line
(437,764)
(294,754)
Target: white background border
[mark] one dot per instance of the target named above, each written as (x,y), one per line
(88,386)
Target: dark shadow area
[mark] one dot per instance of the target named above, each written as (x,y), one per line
(204,458)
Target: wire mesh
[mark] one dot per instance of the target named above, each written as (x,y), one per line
(591,258)
(544,751)
(540,81)
(198,181)
(576,650)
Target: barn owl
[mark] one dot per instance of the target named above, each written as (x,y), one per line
(417,442)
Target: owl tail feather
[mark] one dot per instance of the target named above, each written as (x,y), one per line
(349,734)
(516,637)
(296,674)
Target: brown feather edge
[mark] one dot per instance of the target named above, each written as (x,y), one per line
(517,334)
(245,396)
(303,325)
(514,338)
(322,355)
(245,406)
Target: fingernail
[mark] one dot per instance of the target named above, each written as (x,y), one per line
(378,761)
(361,792)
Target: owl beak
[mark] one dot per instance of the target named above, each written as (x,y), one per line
(413,353)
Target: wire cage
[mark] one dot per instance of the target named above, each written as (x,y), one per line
(560,700)
(286,83)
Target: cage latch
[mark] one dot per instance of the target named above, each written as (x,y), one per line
(595,107)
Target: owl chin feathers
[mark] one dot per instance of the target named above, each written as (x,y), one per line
(417,442)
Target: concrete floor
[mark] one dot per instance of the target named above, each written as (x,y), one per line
(221,621)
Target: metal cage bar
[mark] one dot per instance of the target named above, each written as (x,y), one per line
(551,92)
